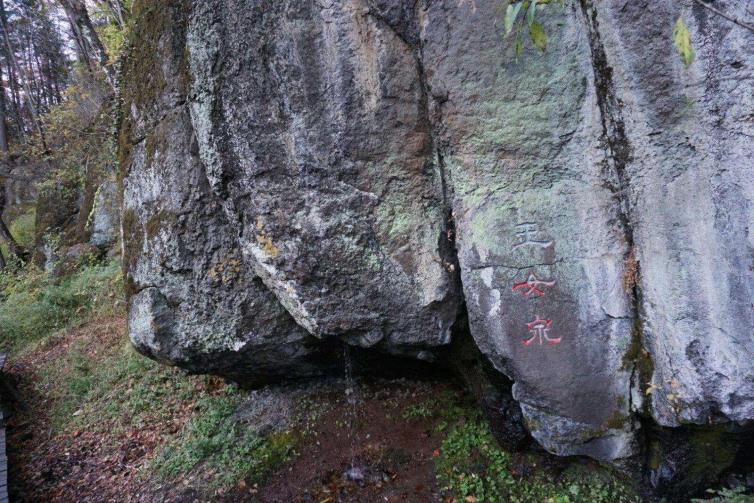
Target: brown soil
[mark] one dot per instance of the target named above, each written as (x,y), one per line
(389,456)
(393,454)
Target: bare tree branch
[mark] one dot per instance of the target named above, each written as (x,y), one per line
(16,178)
(720,13)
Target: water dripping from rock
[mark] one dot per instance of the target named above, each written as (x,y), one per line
(354,473)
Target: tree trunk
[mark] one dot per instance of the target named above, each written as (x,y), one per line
(3,121)
(24,82)
(15,100)
(84,32)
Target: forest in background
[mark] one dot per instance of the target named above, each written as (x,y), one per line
(58,64)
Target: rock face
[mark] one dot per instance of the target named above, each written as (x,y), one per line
(103,226)
(296,173)
(322,154)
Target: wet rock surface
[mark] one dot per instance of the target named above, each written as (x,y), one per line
(296,174)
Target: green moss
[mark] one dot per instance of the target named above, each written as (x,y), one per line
(655,456)
(711,452)
(147,52)
(616,421)
(146,56)
(22,227)
(638,357)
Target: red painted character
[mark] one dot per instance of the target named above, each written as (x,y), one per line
(533,286)
(539,329)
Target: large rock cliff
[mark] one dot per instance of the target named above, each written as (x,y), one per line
(369,171)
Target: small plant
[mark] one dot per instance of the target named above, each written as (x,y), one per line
(424,409)
(472,467)
(737,495)
(216,442)
(520,15)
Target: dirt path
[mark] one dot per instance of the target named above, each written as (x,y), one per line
(65,464)
(389,437)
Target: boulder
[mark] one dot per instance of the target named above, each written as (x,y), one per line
(380,172)
(57,209)
(540,235)
(321,152)
(103,225)
(69,259)
(194,301)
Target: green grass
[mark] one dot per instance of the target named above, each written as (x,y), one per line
(99,384)
(111,390)
(32,307)
(96,389)
(225,451)
(472,467)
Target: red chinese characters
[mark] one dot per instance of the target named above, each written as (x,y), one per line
(528,235)
(533,286)
(539,330)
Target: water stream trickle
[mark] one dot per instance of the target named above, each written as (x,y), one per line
(354,473)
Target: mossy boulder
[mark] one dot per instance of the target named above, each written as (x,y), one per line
(297,175)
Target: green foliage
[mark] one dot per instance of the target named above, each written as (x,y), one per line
(446,408)
(472,467)
(214,440)
(737,495)
(514,24)
(538,36)
(22,228)
(420,410)
(32,306)
(511,14)
(113,37)
(78,147)
(113,28)
(682,42)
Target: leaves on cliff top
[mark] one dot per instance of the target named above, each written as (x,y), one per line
(511,13)
(538,36)
(531,12)
(682,42)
